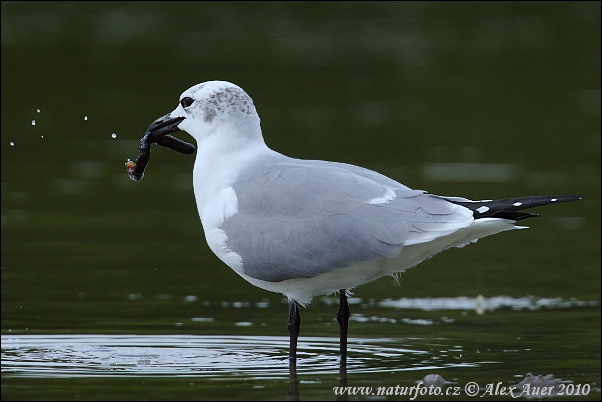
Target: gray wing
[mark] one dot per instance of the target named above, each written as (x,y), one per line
(299,219)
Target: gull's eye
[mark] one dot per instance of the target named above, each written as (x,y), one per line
(187,101)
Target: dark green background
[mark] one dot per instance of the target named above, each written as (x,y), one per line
(395,87)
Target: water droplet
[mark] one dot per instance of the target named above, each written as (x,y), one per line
(85,117)
(33,122)
(12,144)
(114,135)
(38,110)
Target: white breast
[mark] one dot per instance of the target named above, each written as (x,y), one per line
(213,177)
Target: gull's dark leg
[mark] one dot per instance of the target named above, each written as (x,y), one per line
(343,319)
(343,380)
(293,382)
(294,323)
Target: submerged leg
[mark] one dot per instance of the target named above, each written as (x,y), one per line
(294,323)
(293,382)
(343,319)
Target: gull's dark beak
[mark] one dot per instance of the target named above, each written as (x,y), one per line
(159,132)
(162,126)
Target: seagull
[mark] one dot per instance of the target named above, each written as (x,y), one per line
(309,227)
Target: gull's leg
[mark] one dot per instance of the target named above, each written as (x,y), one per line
(294,323)
(343,319)
(293,382)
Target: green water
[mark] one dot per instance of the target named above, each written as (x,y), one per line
(476,100)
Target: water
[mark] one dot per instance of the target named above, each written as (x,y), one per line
(109,290)
(254,357)
(69,356)
(482,340)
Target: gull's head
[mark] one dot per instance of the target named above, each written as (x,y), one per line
(212,107)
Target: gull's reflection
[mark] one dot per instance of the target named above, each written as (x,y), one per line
(293,381)
(342,379)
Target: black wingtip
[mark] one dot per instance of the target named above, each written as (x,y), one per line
(510,208)
(566,198)
(513,215)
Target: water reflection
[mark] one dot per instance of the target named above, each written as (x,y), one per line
(250,358)
(254,357)
(480,303)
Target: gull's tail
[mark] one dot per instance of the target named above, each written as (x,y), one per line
(510,208)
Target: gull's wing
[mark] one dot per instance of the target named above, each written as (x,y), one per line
(299,219)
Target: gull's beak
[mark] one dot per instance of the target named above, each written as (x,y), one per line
(162,126)
(159,133)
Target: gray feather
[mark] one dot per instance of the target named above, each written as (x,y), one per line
(300,219)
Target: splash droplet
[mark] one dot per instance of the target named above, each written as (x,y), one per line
(33,122)
(85,117)
(38,110)
(114,135)
(12,144)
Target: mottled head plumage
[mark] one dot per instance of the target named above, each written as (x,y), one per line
(218,107)
(215,99)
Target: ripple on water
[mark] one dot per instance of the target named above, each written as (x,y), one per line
(206,356)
